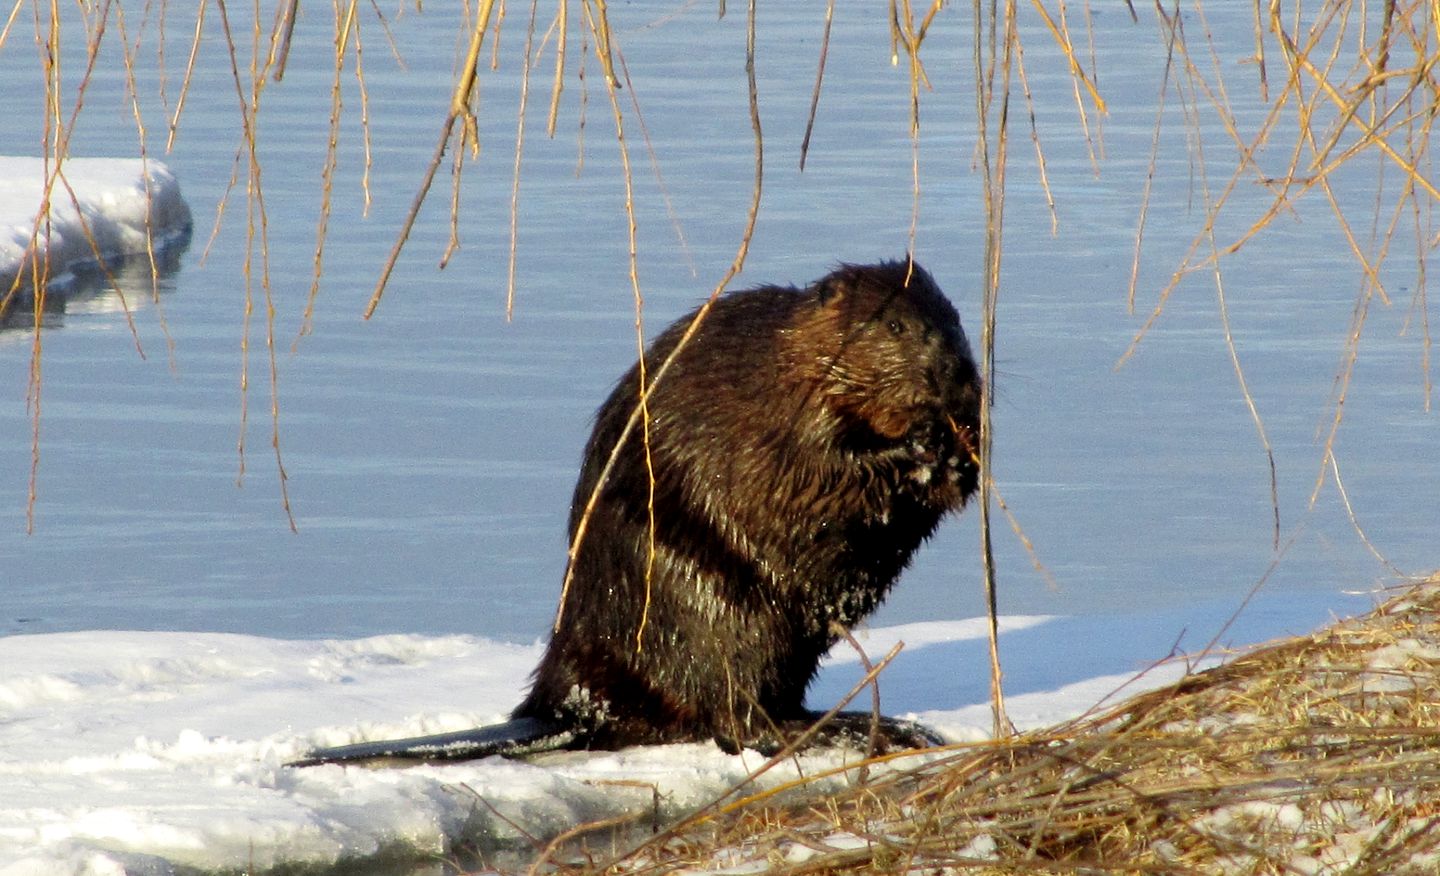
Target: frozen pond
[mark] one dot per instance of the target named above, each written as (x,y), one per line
(431,450)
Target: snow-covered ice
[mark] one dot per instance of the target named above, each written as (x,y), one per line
(138,751)
(127,206)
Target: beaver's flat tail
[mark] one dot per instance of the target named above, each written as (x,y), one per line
(514,738)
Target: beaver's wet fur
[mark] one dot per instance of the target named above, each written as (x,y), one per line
(803,444)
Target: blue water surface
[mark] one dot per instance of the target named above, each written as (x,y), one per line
(431,450)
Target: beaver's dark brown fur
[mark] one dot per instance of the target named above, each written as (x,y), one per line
(804,444)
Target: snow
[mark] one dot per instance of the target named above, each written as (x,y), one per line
(138,751)
(121,202)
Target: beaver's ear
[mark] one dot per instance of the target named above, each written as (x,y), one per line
(831,289)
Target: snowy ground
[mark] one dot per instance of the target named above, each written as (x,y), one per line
(118,203)
(132,752)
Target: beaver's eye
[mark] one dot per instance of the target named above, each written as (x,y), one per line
(896,327)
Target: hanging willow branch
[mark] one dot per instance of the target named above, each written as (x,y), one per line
(459,111)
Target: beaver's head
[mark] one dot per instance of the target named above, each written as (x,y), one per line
(893,364)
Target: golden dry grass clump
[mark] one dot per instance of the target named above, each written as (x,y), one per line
(1317,754)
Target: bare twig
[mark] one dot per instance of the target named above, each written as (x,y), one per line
(690,330)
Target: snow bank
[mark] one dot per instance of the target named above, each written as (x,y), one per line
(140,752)
(123,203)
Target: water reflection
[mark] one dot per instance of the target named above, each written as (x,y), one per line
(122,286)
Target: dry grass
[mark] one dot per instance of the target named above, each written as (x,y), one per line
(1314,754)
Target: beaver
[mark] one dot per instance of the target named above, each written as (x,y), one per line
(800,448)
